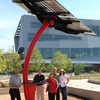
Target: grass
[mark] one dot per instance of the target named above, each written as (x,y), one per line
(97,78)
(85,76)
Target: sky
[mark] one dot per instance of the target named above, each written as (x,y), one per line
(10,14)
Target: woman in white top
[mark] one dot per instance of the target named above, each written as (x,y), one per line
(64,79)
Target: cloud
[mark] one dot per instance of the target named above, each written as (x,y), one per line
(88,12)
(6,43)
(7,23)
(9,20)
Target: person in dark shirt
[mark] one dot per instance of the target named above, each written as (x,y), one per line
(39,80)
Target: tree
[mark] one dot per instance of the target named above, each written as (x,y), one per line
(2,62)
(60,60)
(37,61)
(78,68)
(2,65)
(12,60)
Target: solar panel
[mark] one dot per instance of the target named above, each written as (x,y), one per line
(52,9)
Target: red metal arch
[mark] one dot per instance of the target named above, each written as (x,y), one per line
(29,89)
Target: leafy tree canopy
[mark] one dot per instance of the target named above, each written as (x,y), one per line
(60,60)
(78,68)
(37,61)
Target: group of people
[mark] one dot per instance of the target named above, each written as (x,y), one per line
(56,83)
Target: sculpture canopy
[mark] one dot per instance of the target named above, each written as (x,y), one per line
(52,9)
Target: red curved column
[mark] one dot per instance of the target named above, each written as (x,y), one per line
(27,59)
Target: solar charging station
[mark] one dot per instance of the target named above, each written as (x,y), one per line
(51,14)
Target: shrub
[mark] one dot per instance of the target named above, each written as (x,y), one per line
(78,68)
(92,72)
(4,84)
(0,84)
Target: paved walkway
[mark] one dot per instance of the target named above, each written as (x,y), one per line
(7,97)
(84,84)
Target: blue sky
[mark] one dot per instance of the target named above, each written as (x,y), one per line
(10,14)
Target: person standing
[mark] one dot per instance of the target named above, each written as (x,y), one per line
(15,84)
(52,86)
(39,78)
(56,76)
(64,79)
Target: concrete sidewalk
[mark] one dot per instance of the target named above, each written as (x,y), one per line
(83,88)
(84,84)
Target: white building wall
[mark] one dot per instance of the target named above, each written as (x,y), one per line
(86,42)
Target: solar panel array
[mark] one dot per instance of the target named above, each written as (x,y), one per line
(52,9)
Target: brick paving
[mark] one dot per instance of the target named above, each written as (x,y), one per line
(7,97)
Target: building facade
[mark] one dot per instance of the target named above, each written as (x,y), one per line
(77,47)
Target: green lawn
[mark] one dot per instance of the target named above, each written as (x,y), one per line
(97,78)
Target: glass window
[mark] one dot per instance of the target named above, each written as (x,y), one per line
(30,36)
(95,29)
(48,53)
(49,37)
(35,24)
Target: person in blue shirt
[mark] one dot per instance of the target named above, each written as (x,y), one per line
(15,83)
